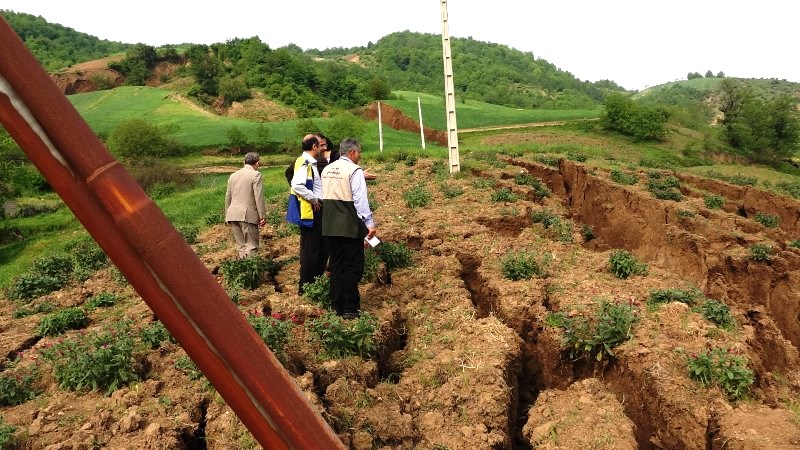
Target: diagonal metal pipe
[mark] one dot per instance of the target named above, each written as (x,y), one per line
(153,256)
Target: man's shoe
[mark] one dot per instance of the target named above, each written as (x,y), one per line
(350,316)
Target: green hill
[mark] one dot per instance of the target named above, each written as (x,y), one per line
(413,61)
(56,46)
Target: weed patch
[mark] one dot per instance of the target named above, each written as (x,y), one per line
(714,201)
(664,187)
(768,220)
(503,195)
(61,321)
(341,338)
(721,368)
(596,336)
(625,178)
(417,197)
(524,265)
(101,360)
(623,265)
(760,252)
(273,330)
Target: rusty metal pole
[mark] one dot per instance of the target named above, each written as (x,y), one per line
(163,269)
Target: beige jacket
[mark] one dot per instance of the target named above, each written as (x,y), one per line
(244,198)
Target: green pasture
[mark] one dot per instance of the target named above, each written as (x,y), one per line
(475,114)
(195,128)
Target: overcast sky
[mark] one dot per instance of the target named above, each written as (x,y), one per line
(634,43)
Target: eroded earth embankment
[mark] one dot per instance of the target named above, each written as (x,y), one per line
(468,358)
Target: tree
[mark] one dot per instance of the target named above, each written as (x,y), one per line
(138,63)
(641,122)
(263,135)
(377,89)
(720,74)
(693,75)
(236,138)
(205,68)
(346,125)
(233,89)
(709,74)
(137,138)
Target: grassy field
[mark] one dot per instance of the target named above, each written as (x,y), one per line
(474,114)
(105,110)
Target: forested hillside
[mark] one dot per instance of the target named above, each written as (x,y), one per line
(493,73)
(56,46)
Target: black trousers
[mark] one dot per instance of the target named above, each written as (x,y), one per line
(347,268)
(313,252)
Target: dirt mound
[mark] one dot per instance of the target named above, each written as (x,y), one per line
(260,109)
(395,118)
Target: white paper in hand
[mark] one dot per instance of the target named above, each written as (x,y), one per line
(373,241)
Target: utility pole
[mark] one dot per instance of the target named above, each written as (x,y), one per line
(449,94)
(380,128)
(421,129)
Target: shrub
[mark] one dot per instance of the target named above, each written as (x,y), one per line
(101,360)
(32,285)
(721,368)
(25,311)
(274,331)
(57,266)
(7,437)
(17,387)
(484,183)
(247,273)
(214,218)
(587,232)
(61,321)
(161,189)
(524,179)
(372,266)
(685,214)
(102,300)
(791,188)
(714,201)
(153,334)
(87,257)
(341,338)
(189,233)
(623,265)
(760,252)
(417,197)
(450,190)
(579,157)
(718,313)
(396,256)
(795,243)
(136,138)
(524,265)
(540,190)
(503,195)
(547,160)
(597,336)
(768,220)
(185,365)
(319,291)
(664,188)
(621,177)
(546,217)
(660,296)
